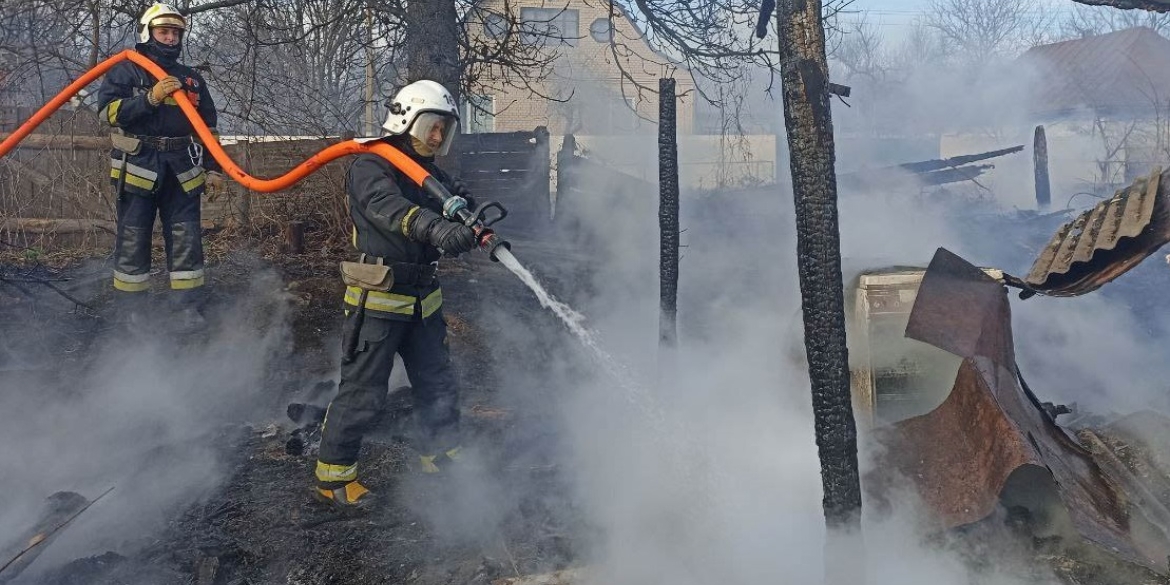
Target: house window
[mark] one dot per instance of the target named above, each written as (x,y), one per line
(601,30)
(479,114)
(495,25)
(550,26)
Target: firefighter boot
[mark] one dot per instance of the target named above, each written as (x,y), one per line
(186,316)
(188,321)
(439,462)
(351,496)
(131,312)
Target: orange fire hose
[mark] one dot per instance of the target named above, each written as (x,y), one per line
(394,156)
(487,239)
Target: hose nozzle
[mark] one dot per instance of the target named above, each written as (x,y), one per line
(489,241)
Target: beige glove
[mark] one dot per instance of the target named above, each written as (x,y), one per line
(165,87)
(216,180)
(216,185)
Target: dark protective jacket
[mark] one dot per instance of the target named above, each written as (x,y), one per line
(381,199)
(123,105)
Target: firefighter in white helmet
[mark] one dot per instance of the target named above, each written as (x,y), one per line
(158,168)
(398,226)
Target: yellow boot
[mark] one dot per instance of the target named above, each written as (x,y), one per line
(351,496)
(437,463)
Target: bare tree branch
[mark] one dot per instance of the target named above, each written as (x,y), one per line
(214,6)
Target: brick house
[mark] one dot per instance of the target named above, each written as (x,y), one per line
(592,48)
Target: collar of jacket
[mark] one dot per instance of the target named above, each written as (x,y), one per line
(156,55)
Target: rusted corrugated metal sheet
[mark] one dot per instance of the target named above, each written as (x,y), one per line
(961,454)
(1105,241)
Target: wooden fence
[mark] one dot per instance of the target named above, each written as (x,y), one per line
(63,175)
(512,168)
(584,187)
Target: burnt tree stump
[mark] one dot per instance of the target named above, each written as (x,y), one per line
(294,237)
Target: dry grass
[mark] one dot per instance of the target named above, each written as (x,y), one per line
(48,183)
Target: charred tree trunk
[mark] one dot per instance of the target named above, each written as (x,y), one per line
(432,51)
(807,119)
(1040,168)
(294,237)
(667,215)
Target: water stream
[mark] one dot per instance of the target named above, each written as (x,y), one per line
(588,338)
(670,440)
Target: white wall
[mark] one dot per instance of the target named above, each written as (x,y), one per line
(705,162)
(1074,150)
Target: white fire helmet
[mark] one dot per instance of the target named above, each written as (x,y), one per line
(159,15)
(418,107)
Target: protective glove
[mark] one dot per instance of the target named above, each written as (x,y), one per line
(452,237)
(165,87)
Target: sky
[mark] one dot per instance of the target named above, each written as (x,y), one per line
(894,17)
(893,13)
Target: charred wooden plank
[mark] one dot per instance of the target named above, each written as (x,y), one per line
(62,141)
(955,161)
(56,226)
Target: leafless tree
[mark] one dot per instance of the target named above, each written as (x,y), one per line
(711,39)
(290,67)
(303,67)
(887,76)
(921,46)
(978,30)
(45,42)
(1130,137)
(861,51)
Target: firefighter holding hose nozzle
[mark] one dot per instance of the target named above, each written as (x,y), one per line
(158,168)
(393,303)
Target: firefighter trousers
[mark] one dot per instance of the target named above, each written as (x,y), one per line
(362,393)
(182,233)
